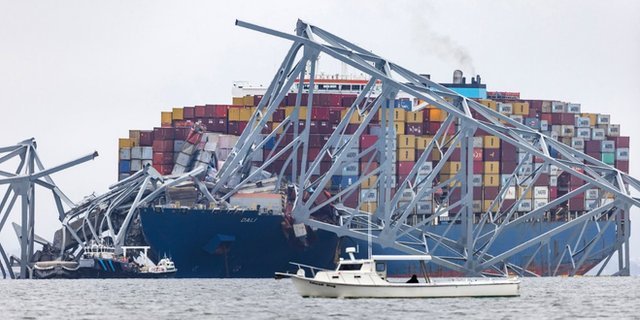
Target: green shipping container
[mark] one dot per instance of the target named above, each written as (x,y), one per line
(609,158)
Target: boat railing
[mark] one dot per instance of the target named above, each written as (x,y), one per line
(311,268)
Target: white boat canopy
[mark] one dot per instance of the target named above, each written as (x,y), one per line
(401,257)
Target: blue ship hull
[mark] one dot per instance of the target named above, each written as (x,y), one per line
(243,244)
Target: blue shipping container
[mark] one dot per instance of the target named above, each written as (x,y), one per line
(124,166)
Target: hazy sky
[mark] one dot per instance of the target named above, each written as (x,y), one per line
(76,75)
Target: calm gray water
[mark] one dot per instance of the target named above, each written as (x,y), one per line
(545,298)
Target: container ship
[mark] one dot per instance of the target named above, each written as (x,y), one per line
(255,236)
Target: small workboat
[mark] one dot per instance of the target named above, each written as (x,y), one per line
(367,278)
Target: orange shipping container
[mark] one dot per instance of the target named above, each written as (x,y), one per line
(165,118)
(406,141)
(491,142)
(491,180)
(400,114)
(451,167)
(238,101)
(405,154)
(520,108)
(491,167)
(437,115)
(370,182)
(234,114)
(399,127)
(178,114)
(414,117)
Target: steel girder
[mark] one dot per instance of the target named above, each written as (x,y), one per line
(472,252)
(21,183)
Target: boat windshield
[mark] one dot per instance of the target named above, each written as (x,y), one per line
(350,266)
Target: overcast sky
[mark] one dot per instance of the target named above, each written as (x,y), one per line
(76,75)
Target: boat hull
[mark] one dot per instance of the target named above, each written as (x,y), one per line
(219,244)
(308,287)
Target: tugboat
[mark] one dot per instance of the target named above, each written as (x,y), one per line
(99,261)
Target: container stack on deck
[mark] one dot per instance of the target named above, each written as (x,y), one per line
(493,161)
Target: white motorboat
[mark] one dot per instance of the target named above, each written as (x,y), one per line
(367,278)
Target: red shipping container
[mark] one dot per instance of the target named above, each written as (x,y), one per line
(553,193)
(623,165)
(546,117)
(312,154)
(576,204)
(218,125)
(367,141)
(162,158)
(366,167)
(478,167)
(278,115)
(563,118)
(163,133)
(220,111)
(404,167)
(543,180)
(508,166)
(209,111)
(199,112)
(491,155)
(491,192)
(181,133)
(334,115)
(413,128)
(455,155)
(315,140)
(347,101)
(163,145)
(257,98)
(313,127)
(242,125)
(324,127)
(146,138)
(621,142)
(320,113)
(163,169)
(477,154)
(477,193)
(351,129)
(189,112)
(431,127)
(233,127)
(508,152)
(325,166)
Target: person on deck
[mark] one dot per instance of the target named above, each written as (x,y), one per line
(414,279)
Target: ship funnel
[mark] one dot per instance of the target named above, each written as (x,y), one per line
(457,76)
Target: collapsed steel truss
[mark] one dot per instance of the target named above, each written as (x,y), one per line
(21,183)
(467,253)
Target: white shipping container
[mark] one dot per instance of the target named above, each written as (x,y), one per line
(136,165)
(147,153)
(227,141)
(541,192)
(178,170)
(136,153)
(583,122)
(189,148)
(407,195)
(622,154)
(577,143)
(477,180)
(613,130)
(517,118)
(405,204)
(350,169)
(505,108)
(567,131)
(425,168)
(477,142)
(553,181)
(504,178)
(124,154)
(603,119)
(583,133)
(573,107)
(591,194)
(554,170)
(424,207)
(183,159)
(427,197)
(598,134)
(539,203)
(177,145)
(369,195)
(607,146)
(544,125)
(590,204)
(257,155)
(558,107)
(525,169)
(477,206)
(524,206)
(204,156)
(510,194)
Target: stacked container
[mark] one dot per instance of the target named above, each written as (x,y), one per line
(165,147)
